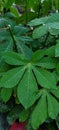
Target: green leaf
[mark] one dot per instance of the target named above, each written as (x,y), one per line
(6,94)
(6,47)
(47,62)
(53,106)
(54,31)
(39,114)
(54,17)
(9,3)
(14,11)
(45,78)
(37,55)
(37,21)
(55,92)
(57,50)
(23,115)
(27,89)
(12,77)
(39,32)
(13,58)
(4,34)
(26,51)
(50,51)
(20,30)
(57,67)
(54,25)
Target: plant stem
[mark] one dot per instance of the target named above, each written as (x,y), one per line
(12,35)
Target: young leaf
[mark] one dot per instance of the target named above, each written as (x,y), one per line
(6,94)
(45,78)
(12,77)
(53,106)
(39,114)
(27,89)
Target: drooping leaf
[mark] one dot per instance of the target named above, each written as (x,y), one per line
(39,114)
(27,89)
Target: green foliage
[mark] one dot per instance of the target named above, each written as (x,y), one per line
(29,63)
(6,94)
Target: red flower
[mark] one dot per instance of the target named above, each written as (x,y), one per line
(18,126)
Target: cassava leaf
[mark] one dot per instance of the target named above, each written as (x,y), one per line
(37,55)
(55,92)
(47,62)
(39,114)
(26,51)
(13,58)
(27,89)
(12,77)
(45,78)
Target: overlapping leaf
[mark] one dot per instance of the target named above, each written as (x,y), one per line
(44,108)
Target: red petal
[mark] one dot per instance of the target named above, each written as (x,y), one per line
(18,126)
